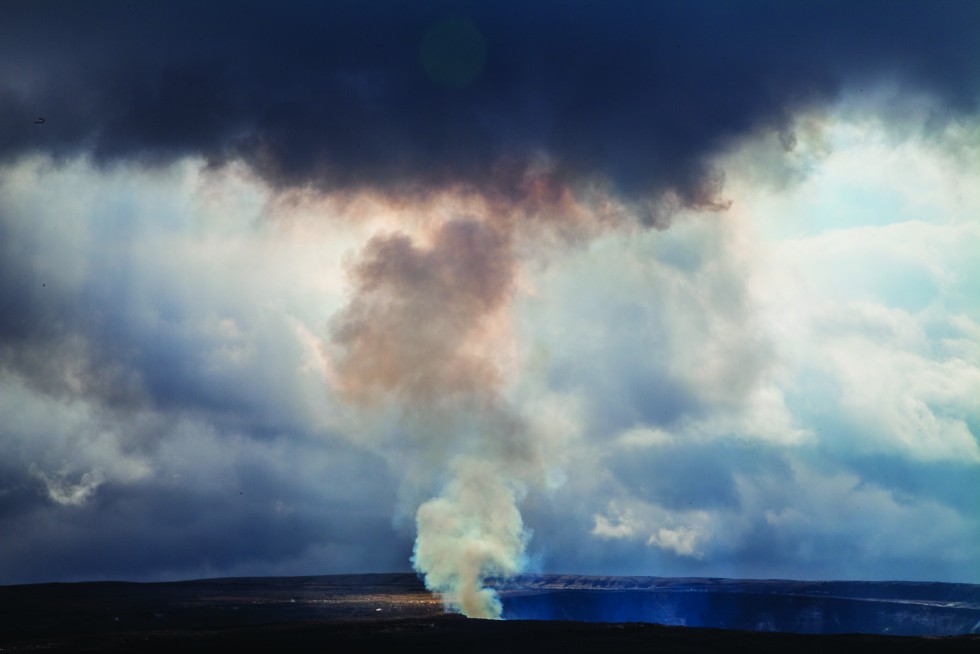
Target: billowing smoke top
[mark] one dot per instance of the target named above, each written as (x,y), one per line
(406,330)
(415,333)
(409,95)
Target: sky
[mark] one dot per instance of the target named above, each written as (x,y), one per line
(675,289)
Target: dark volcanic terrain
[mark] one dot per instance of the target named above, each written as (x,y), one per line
(820,607)
(367,612)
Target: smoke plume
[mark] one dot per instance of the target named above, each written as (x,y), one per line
(471,531)
(413,326)
(426,333)
(419,332)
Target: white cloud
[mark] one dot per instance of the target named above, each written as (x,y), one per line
(683,541)
(816,344)
(621,524)
(682,533)
(61,490)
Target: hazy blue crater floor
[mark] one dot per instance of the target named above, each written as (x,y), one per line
(895,608)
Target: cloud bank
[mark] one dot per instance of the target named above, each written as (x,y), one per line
(285,290)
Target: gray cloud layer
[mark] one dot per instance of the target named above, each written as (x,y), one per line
(336,94)
(162,414)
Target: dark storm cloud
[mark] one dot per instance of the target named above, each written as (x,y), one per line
(346,94)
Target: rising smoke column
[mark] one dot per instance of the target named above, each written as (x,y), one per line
(426,331)
(472,530)
(418,332)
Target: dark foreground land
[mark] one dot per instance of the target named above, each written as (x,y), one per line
(353,613)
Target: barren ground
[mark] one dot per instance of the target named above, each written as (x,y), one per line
(349,613)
